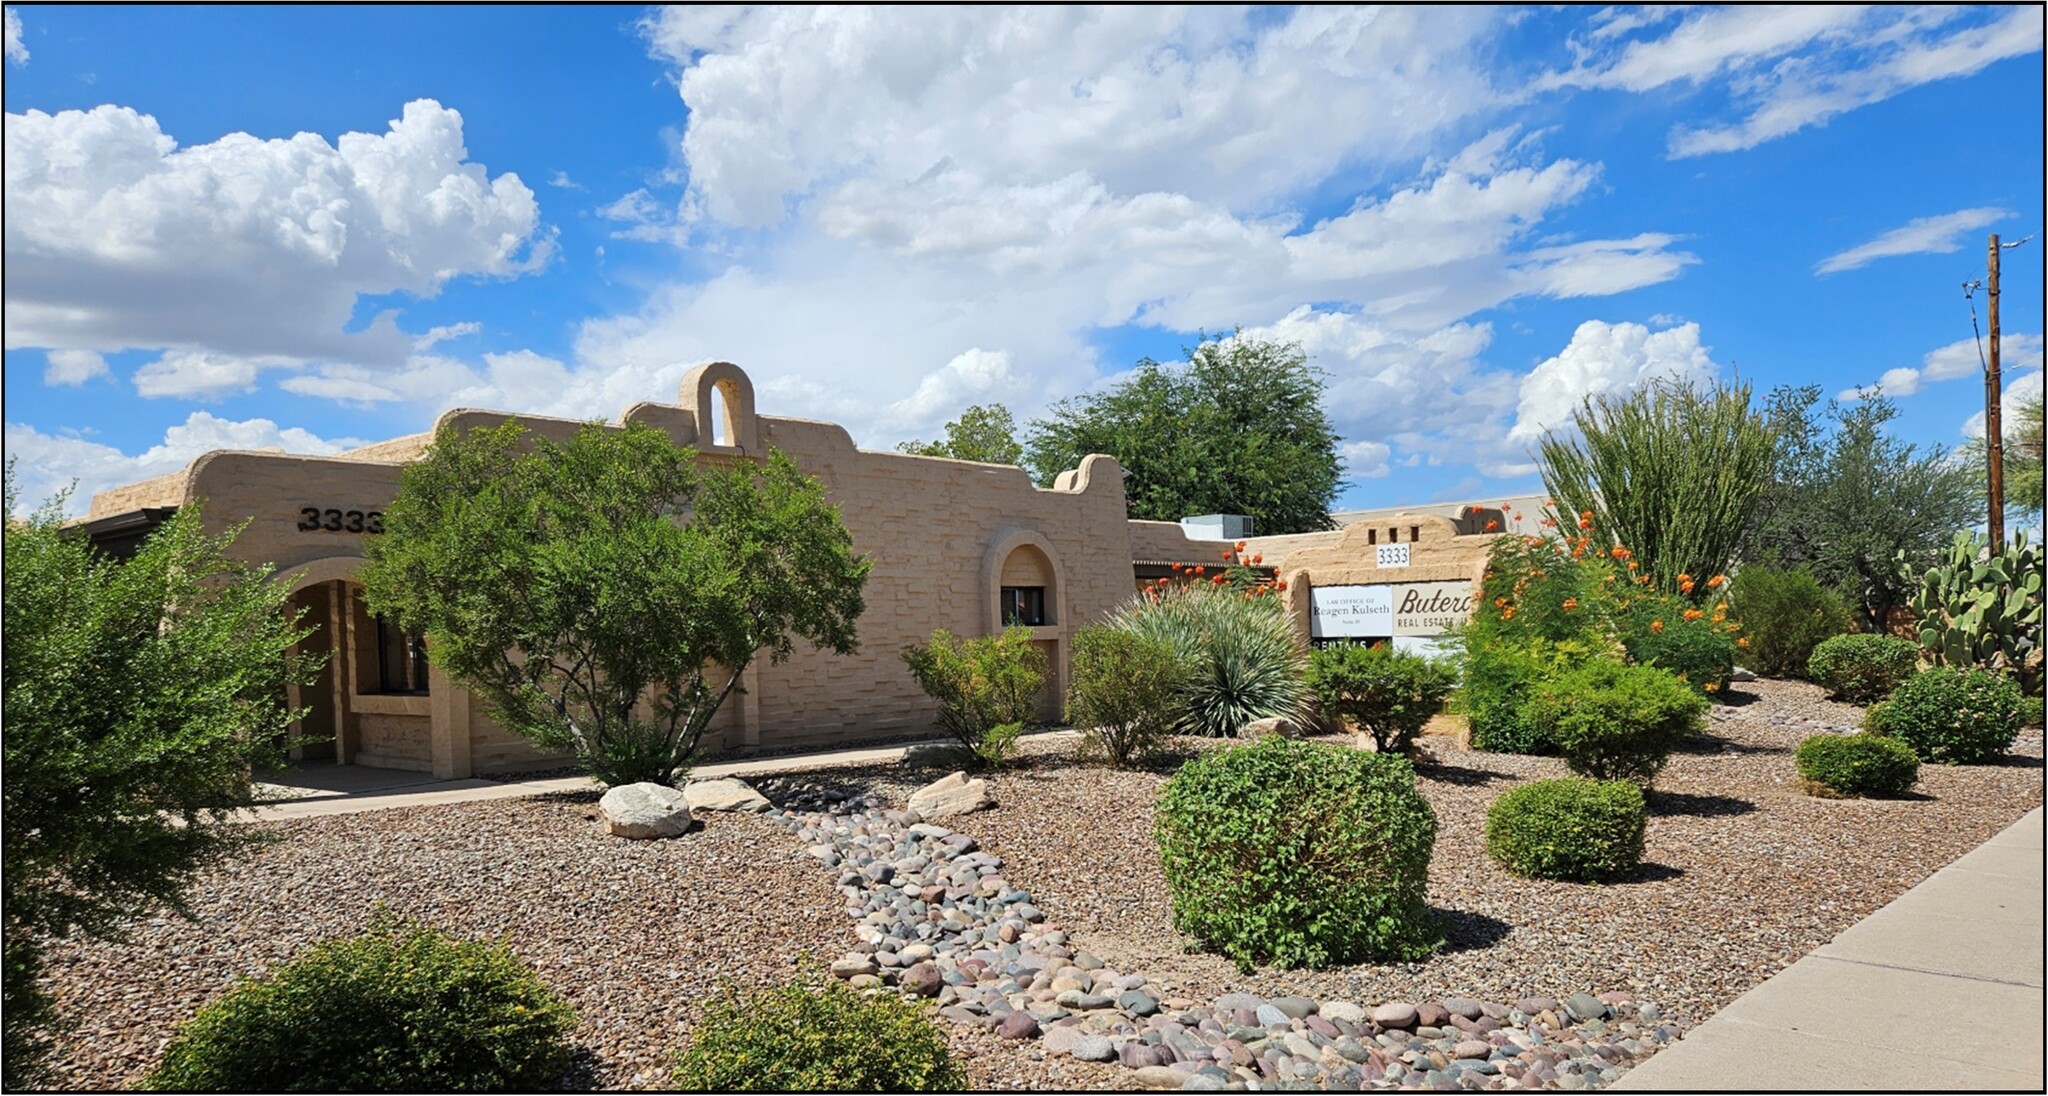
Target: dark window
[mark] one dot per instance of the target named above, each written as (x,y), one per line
(1414,532)
(1023,605)
(401,660)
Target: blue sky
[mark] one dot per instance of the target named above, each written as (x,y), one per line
(312,227)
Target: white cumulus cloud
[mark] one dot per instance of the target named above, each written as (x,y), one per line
(1603,359)
(73,367)
(49,463)
(242,248)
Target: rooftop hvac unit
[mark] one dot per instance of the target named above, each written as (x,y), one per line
(1217,526)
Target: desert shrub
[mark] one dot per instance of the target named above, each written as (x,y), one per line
(1857,765)
(2030,711)
(1572,829)
(1862,668)
(399,1008)
(1244,660)
(1616,722)
(1496,679)
(1785,615)
(806,1037)
(1388,694)
(1952,716)
(1299,854)
(1124,691)
(1697,644)
(987,687)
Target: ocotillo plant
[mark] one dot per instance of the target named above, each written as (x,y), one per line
(1671,470)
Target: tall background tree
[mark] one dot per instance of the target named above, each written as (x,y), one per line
(1239,430)
(2024,451)
(1673,471)
(606,594)
(1847,498)
(985,432)
(140,695)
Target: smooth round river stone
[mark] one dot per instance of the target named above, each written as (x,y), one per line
(1395,1014)
(1343,1010)
(1270,1016)
(1093,1048)
(1018,1025)
(1294,1008)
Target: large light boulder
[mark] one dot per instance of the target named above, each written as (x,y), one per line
(727,794)
(1278,724)
(951,795)
(645,810)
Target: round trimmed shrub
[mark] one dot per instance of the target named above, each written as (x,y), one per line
(1573,829)
(1614,721)
(1952,716)
(399,1008)
(801,1037)
(1492,694)
(1299,854)
(2030,711)
(1389,694)
(1857,765)
(1862,668)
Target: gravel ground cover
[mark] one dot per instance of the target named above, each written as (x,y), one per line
(1744,874)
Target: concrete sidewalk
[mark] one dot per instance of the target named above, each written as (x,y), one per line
(318,791)
(1940,990)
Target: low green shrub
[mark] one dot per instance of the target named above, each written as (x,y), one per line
(1951,716)
(1124,692)
(1869,765)
(802,1036)
(1299,854)
(1616,722)
(1572,829)
(1784,616)
(1388,694)
(987,687)
(1244,660)
(1862,668)
(1494,690)
(2030,711)
(399,1008)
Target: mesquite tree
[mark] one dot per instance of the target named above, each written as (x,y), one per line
(140,695)
(1671,470)
(606,594)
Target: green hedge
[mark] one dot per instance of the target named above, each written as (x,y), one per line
(806,1037)
(1857,765)
(1951,716)
(1572,829)
(1299,854)
(399,1008)
(1862,668)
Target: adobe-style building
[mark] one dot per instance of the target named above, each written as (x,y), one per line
(956,544)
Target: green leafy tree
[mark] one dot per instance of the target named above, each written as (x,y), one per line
(1239,430)
(2023,451)
(139,696)
(987,433)
(605,595)
(1671,470)
(1846,499)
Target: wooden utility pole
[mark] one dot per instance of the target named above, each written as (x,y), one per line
(1994,434)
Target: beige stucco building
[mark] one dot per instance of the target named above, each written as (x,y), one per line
(956,545)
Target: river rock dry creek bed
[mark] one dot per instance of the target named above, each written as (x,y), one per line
(1743,874)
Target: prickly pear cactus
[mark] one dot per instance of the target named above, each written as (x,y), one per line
(1978,608)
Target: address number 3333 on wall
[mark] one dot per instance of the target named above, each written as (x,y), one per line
(313,518)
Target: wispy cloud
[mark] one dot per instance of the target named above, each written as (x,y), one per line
(1940,235)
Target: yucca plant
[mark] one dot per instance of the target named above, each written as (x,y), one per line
(1244,660)
(1672,470)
